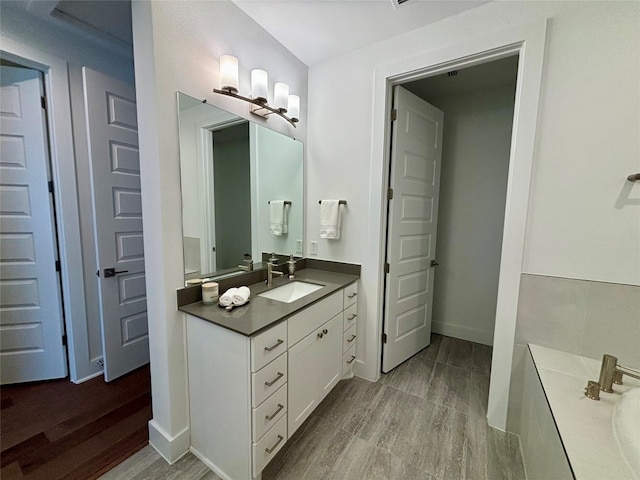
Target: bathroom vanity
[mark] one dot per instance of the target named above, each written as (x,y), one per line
(256,373)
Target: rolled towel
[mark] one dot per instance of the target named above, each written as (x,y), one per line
(227,297)
(241,296)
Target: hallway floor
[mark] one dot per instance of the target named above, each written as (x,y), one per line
(424,420)
(57,430)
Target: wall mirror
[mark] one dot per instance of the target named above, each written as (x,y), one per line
(231,171)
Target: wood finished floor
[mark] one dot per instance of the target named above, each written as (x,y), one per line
(58,430)
(424,420)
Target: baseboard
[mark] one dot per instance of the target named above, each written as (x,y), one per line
(89,377)
(464,333)
(209,464)
(170,448)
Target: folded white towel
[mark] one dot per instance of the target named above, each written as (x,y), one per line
(276,217)
(241,296)
(330,219)
(227,297)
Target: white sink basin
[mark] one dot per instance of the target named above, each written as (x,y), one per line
(626,419)
(291,291)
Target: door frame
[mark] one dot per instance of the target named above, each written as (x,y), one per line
(527,41)
(65,195)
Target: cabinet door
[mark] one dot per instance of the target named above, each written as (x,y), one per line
(329,356)
(303,379)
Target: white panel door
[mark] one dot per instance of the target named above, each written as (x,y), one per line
(112,129)
(31,346)
(416,154)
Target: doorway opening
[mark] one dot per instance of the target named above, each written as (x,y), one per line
(446,215)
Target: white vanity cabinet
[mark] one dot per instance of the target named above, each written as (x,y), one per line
(249,394)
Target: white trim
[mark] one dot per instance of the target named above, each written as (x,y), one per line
(528,41)
(170,448)
(88,377)
(56,80)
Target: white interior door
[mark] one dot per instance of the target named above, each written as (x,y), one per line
(31,345)
(112,129)
(416,154)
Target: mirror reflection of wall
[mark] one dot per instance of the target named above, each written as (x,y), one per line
(230,170)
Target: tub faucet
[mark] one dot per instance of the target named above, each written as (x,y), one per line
(273,262)
(611,372)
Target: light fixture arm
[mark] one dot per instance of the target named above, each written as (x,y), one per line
(261,109)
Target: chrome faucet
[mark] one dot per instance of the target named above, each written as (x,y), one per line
(611,372)
(273,262)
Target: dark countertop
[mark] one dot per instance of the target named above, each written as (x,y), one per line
(261,312)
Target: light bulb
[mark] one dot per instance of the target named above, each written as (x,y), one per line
(281,96)
(229,73)
(259,84)
(294,107)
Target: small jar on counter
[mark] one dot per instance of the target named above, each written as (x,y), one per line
(209,293)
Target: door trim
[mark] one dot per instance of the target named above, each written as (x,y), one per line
(63,173)
(527,41)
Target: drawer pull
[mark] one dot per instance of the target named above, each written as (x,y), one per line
(352,295)
(278,377)
(353,337)
(273,415)
(354,315)
(353,357)
(270,450)
(275,345)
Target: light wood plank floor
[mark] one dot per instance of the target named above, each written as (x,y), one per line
(424,420)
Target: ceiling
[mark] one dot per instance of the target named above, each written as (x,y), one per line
(481,77)
(315,30)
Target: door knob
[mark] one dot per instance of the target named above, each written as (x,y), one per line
(434,263)
(111,272)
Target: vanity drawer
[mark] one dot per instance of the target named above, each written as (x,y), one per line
(268,446)
(349,338)
(350,316)
(350,294)
(302,324)
(267,346)
(268,380)
(348,361)
(268,414)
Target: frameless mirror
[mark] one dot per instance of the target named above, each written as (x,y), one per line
(234,175)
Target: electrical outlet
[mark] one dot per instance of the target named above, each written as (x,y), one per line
(314,247)
(299,246)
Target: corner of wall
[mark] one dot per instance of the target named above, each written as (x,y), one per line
(170,448)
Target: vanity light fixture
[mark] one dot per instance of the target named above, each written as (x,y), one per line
(283,103)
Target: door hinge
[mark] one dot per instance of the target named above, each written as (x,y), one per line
(58,266)
(50,186)
(394,115)
(43,102)
(386,268)
(389,193)
(64,340)
(384,338)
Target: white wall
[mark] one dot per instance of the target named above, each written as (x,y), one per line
(583,221)
(473,188)
(63,53)
(176,47)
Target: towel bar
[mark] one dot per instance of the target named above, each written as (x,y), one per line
(286,202)
(634,178)
(341,202)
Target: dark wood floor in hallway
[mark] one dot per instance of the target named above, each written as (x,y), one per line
(58,430)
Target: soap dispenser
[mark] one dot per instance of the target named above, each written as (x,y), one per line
(292,266)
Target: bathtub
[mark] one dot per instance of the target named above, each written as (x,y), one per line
(601,439)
